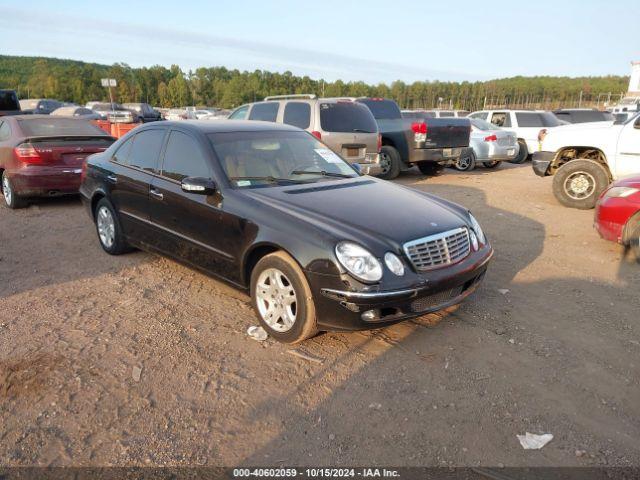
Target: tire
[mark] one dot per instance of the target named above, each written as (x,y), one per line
(523,154)
(293,322)
(632,236)
(390,162)
(430,168)
(11,198)
(579,183)
(494,164)
(466,162)
(110,234)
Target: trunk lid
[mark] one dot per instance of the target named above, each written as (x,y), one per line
(66,151)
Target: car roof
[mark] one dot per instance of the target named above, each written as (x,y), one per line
(205,126)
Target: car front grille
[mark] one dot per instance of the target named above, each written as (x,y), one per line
(430,301)
(438,250)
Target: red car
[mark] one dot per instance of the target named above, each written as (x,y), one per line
(43,155)
(618,213)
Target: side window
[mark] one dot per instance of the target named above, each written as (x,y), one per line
(501,119)
(146,149)
(183,158)
(5,131)
(240,113)
(122,154)
(529,120)
(480,115)
(447,114)
(297,114)
(266,112)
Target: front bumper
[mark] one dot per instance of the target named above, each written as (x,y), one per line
(540,162)
(442,156)
(36,180)
(612,214)
(343,310)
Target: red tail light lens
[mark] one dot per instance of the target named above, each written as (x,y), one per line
(26,153)
(491,138)
(317,134)
(83,173)
(419,127)
(379,141)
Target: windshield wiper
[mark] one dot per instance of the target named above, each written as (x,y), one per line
(269,179)
(321,172)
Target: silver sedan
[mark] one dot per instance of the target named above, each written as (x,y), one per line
(489,144)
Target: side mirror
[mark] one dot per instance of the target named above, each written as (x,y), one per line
(199,185)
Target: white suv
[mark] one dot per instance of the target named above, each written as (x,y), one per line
(530,127)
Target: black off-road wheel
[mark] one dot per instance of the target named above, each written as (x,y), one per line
(282,299)
(390,162)
(579,183)
(523,154)
(109,229)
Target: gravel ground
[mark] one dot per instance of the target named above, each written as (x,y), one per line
(136,360)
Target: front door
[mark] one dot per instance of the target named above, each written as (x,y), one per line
(628,150)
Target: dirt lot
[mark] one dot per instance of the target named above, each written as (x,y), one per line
(549,344)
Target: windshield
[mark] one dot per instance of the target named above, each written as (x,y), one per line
(259,159)
(346,117)
(382,109)
(482,124)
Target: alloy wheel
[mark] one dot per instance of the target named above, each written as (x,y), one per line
(580,185)
(385,163)
(6,190)
(276,299)
(106,227)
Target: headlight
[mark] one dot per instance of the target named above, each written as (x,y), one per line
(621,191)
(394,263)
(359,262)
(477,228)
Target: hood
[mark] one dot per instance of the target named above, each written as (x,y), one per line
(365,207)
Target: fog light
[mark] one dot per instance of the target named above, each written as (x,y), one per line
(371,315)
(474,241)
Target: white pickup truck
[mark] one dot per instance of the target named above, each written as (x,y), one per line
(584,158)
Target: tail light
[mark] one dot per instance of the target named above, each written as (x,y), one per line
(379,141)
(26,153)
(419,131)
(317,134)
(491,138)
(83,173)
(541,134)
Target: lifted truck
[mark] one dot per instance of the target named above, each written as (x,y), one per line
(585,158)
(430,144)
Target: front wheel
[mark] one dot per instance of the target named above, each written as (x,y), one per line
(579,183)
(11,198)
(282,298)
(389,163)
(632,240)
(523,154)
(466,162)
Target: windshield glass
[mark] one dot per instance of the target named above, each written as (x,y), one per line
(258,159)
(482,124)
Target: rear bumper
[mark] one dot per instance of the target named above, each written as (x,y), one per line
(342,310)
(37,180)
(541,161)
(491,152)
(442,156)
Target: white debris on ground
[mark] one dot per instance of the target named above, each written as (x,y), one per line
(257,333)
(531,441)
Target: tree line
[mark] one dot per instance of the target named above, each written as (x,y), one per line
(79,82)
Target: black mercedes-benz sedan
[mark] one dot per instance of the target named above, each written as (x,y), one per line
(273,211)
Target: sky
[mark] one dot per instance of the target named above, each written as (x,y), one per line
(373,41)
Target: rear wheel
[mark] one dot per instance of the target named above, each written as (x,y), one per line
(579,183)
(11,198)
(431,169)
(466,162)
(109,229)
(389,162)
(522,154)
(493,164)
(282,298)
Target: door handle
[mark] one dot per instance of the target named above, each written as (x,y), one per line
(112,179)
(156,194)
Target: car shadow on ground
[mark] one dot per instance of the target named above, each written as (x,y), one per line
(455,388)
(32,257)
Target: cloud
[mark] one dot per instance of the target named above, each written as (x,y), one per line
(332,65)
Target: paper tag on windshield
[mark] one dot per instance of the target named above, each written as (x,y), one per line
(243,183)
(328,155)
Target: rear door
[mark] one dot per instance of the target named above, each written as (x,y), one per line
(349,129)
(134,165)
(191,226)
